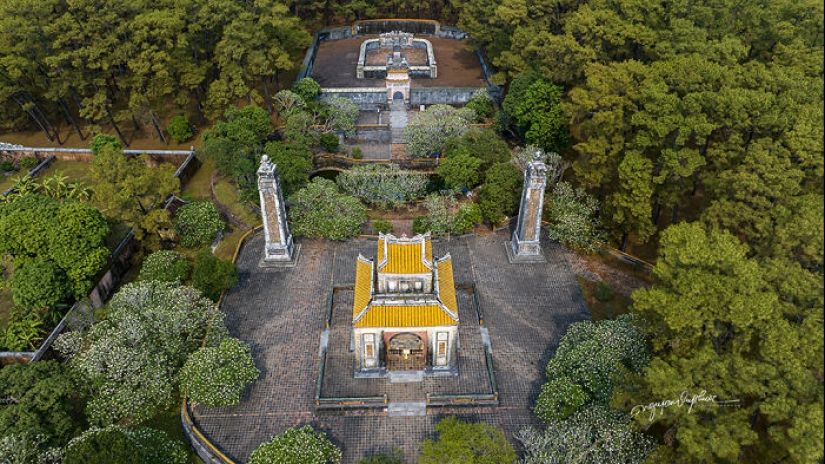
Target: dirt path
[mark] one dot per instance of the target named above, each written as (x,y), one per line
(593,269)
(234,220)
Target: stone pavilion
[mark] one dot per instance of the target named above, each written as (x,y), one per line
(405,314)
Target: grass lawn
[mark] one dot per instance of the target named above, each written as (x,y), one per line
(198,187)
(226,247)
(227,193)
(599,310)
(6,182)
(74,170)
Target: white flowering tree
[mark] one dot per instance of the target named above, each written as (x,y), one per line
(583,368)
(132,357)
(216,376)
(342,115)
(297,446)
(318,210)
(571,214)
(198,223)
(382,185)
(594,435)
(429,131)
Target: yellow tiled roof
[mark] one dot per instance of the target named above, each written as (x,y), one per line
(431,315)
(363,284)
(404,259)
(446,285)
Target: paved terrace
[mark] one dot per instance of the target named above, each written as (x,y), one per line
(337,60)
(281,313)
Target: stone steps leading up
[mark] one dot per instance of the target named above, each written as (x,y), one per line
(407,409)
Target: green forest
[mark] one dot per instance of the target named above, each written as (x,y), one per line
(697,126)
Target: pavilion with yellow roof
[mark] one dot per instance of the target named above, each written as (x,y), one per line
(405,313)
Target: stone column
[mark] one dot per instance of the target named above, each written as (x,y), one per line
(525,245)
(279,250)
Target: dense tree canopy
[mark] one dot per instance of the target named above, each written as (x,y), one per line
(723,323)
(123,63)
(41,399)
(64,232)
(470,443)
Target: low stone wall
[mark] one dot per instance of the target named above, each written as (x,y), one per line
(176,157)
(452,32)
(359,96)
(413,26)
(442,95)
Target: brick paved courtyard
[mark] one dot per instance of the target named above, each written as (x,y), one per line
(281,314)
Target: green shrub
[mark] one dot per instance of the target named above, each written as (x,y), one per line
(481,104)
(307,89)
(329,142)
(603,292)
(357,153)
(179,129)
(28,162)
(382,225)
(198,223)
(297,446)
(320,211)
(212,276)
(6,166)
(500,192)
(559,398)
(466,218)
(102,140)
(24,329)
(39,284)
(420,225)
(165,266)
(116,445)
(467,443)
(395,456)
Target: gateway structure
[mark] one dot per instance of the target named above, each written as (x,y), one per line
(405,312)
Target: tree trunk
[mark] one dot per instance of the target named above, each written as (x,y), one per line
(117,129)
(79,105)
(266,95)
(70,119)
(200,105)
(157,127)
(34,117)
(657,208)
(675,213)
(624,242)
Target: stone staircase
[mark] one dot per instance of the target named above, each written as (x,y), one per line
(398,120)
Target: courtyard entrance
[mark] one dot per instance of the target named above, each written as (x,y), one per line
(406,352)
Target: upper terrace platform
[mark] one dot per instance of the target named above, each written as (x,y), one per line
(337,60)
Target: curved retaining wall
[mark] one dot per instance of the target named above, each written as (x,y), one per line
(205,449)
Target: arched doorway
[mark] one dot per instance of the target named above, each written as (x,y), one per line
(406,352)
(397,96)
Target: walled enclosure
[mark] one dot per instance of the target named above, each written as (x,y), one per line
(337,58)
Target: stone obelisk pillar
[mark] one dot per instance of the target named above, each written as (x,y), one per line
(279,250)
(525,245)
